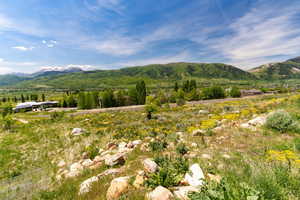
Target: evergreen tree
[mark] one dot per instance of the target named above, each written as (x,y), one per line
(22,98)
(64,103)
(176,87)
(132,93)
(193,85)
(27,97)
(120,98)
(96,99)
(141,92)
(43,97)
(15,99)
(235,92)
(89,101)
(81,100)
(71,101)
(108,99)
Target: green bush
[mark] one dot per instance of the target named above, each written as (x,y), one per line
(280,120)
(171,171)
(92,151)
(56,115)
(215,92)
(226,191)
(182,149)
(158,145)
(235,92)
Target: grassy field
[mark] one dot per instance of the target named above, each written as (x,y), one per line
(258,163)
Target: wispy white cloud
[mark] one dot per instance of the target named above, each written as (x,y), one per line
(67,67)
(22,48)
(11,66)
(260,35)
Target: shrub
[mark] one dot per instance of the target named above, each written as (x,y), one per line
(280,120)
(226,191)
(235,92)
(56,115)
(171,172)
(158,145)
(182,149)
(215,92)
(92,151)
(7,122)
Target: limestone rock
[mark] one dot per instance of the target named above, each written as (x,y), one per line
(87,163)
(182,192)
(61,164)
(160,193)
(117,187)
(85,186)
(195,176)
(77,131)
(118,158)
(149,165)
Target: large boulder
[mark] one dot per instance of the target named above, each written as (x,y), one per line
(117,187)
(195,176)
(182,192)
(118,158)
(149,165)
(160,193)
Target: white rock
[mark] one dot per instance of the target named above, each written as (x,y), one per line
(136,142)
(76,167)
(77,131)
(117,187)
(122,145)
(160,193)
(194,144)
(195,176)
(149,165)
(206,156)
(98,159)
(182,192)
(87,163)
(203,112)
(258,121)
(115,159)
(61,164)
(198,132)
(85,186)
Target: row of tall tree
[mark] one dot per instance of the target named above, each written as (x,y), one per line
(23,98)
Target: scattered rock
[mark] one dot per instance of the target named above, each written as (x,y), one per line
(206,156)
(122,145)
(198,132)
(149,165)
(85,186)
(77,131)
(194,144)
(117,187)
(226,156)
(111,146)
(118,158)
(98,159)
(182,192)
(87,163)
(195,177)
(202,112)
(139,181)
(76,167)
(160,193)
(136,142)
(61,164)
(215,178)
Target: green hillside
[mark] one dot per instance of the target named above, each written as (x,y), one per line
(127,76)
(284,70)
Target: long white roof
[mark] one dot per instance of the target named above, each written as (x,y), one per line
(33,103)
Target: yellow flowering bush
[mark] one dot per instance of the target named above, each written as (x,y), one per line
(285,156)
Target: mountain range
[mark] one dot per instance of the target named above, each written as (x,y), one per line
(75,77)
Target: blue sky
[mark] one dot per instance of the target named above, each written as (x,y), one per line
(109,34)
